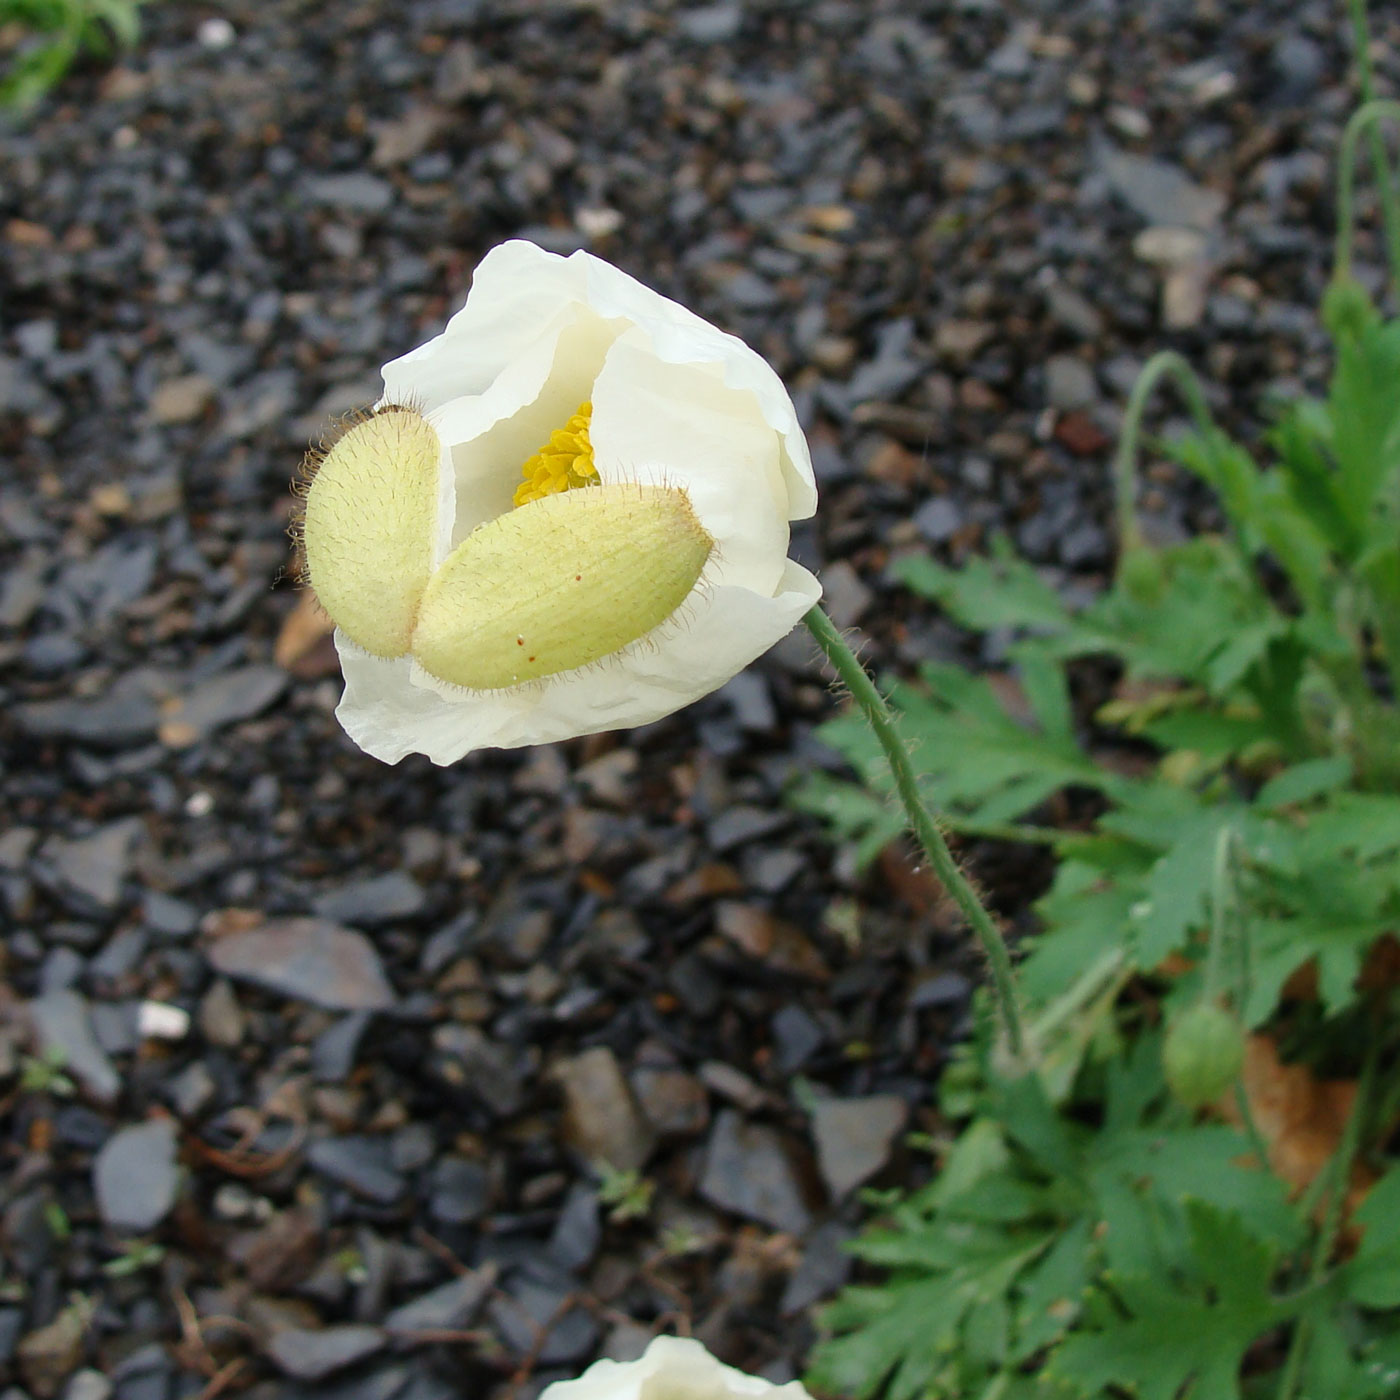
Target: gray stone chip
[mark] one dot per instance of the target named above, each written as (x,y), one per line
(747,1172)
(136,1176)
(309,959)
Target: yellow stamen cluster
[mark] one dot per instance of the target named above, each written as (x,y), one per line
(563,463)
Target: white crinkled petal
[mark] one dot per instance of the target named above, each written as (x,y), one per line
(486,438)
(392,708)
(682,337)
(679,1365)
(517,292)
(681,425)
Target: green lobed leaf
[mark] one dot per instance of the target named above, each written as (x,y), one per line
(1303,440)
(1184,1337)
(1372,1277)
(988,593)
(1178,1243)
(1176,899)
(903,1331)
(1050,1292)
(1304,781)
(1365,415)
(1209,600)
(1089,915)
(853,812)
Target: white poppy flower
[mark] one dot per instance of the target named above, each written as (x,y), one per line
(672,1368)
(637,469)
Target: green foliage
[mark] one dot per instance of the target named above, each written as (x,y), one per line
(1257,705)
(1234,844)
(44,1074)
(51,34)
(627,1193)
(1158,1335)
(1136,1247)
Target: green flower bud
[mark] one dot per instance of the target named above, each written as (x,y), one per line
(1202,1054)
(1347,309)
(1141,572)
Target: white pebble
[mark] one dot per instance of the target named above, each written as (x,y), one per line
(598,223)
(216,33)
(158,1020)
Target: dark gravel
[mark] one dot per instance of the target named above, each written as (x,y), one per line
(310,1066)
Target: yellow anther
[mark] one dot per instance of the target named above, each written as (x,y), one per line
(564,463)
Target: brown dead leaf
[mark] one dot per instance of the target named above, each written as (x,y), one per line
(302,645)
(1301,983)
(1381,970)
(908,876)
(705,882)
(763,936)
(1174,965)
(1300,1117)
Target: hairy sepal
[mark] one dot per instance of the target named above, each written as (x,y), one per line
(559,583)
(371,517)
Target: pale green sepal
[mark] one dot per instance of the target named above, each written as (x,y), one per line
(371,516)
(558,583)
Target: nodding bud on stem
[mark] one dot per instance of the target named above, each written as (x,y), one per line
(550,586)
(1203,1054)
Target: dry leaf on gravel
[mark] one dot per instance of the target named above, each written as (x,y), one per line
(1300,1117)
(298,648)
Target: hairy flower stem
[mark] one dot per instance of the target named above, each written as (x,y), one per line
(1385,183)
(1221,913)
(1165,364)
(1365,119)
(921,820)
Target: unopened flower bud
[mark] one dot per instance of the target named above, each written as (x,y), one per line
(1202,1054)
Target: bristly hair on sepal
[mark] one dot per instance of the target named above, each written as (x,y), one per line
(305,473)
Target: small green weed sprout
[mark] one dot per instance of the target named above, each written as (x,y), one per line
(628,1194)
(44,1074)
(41,39)
(137,1257)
